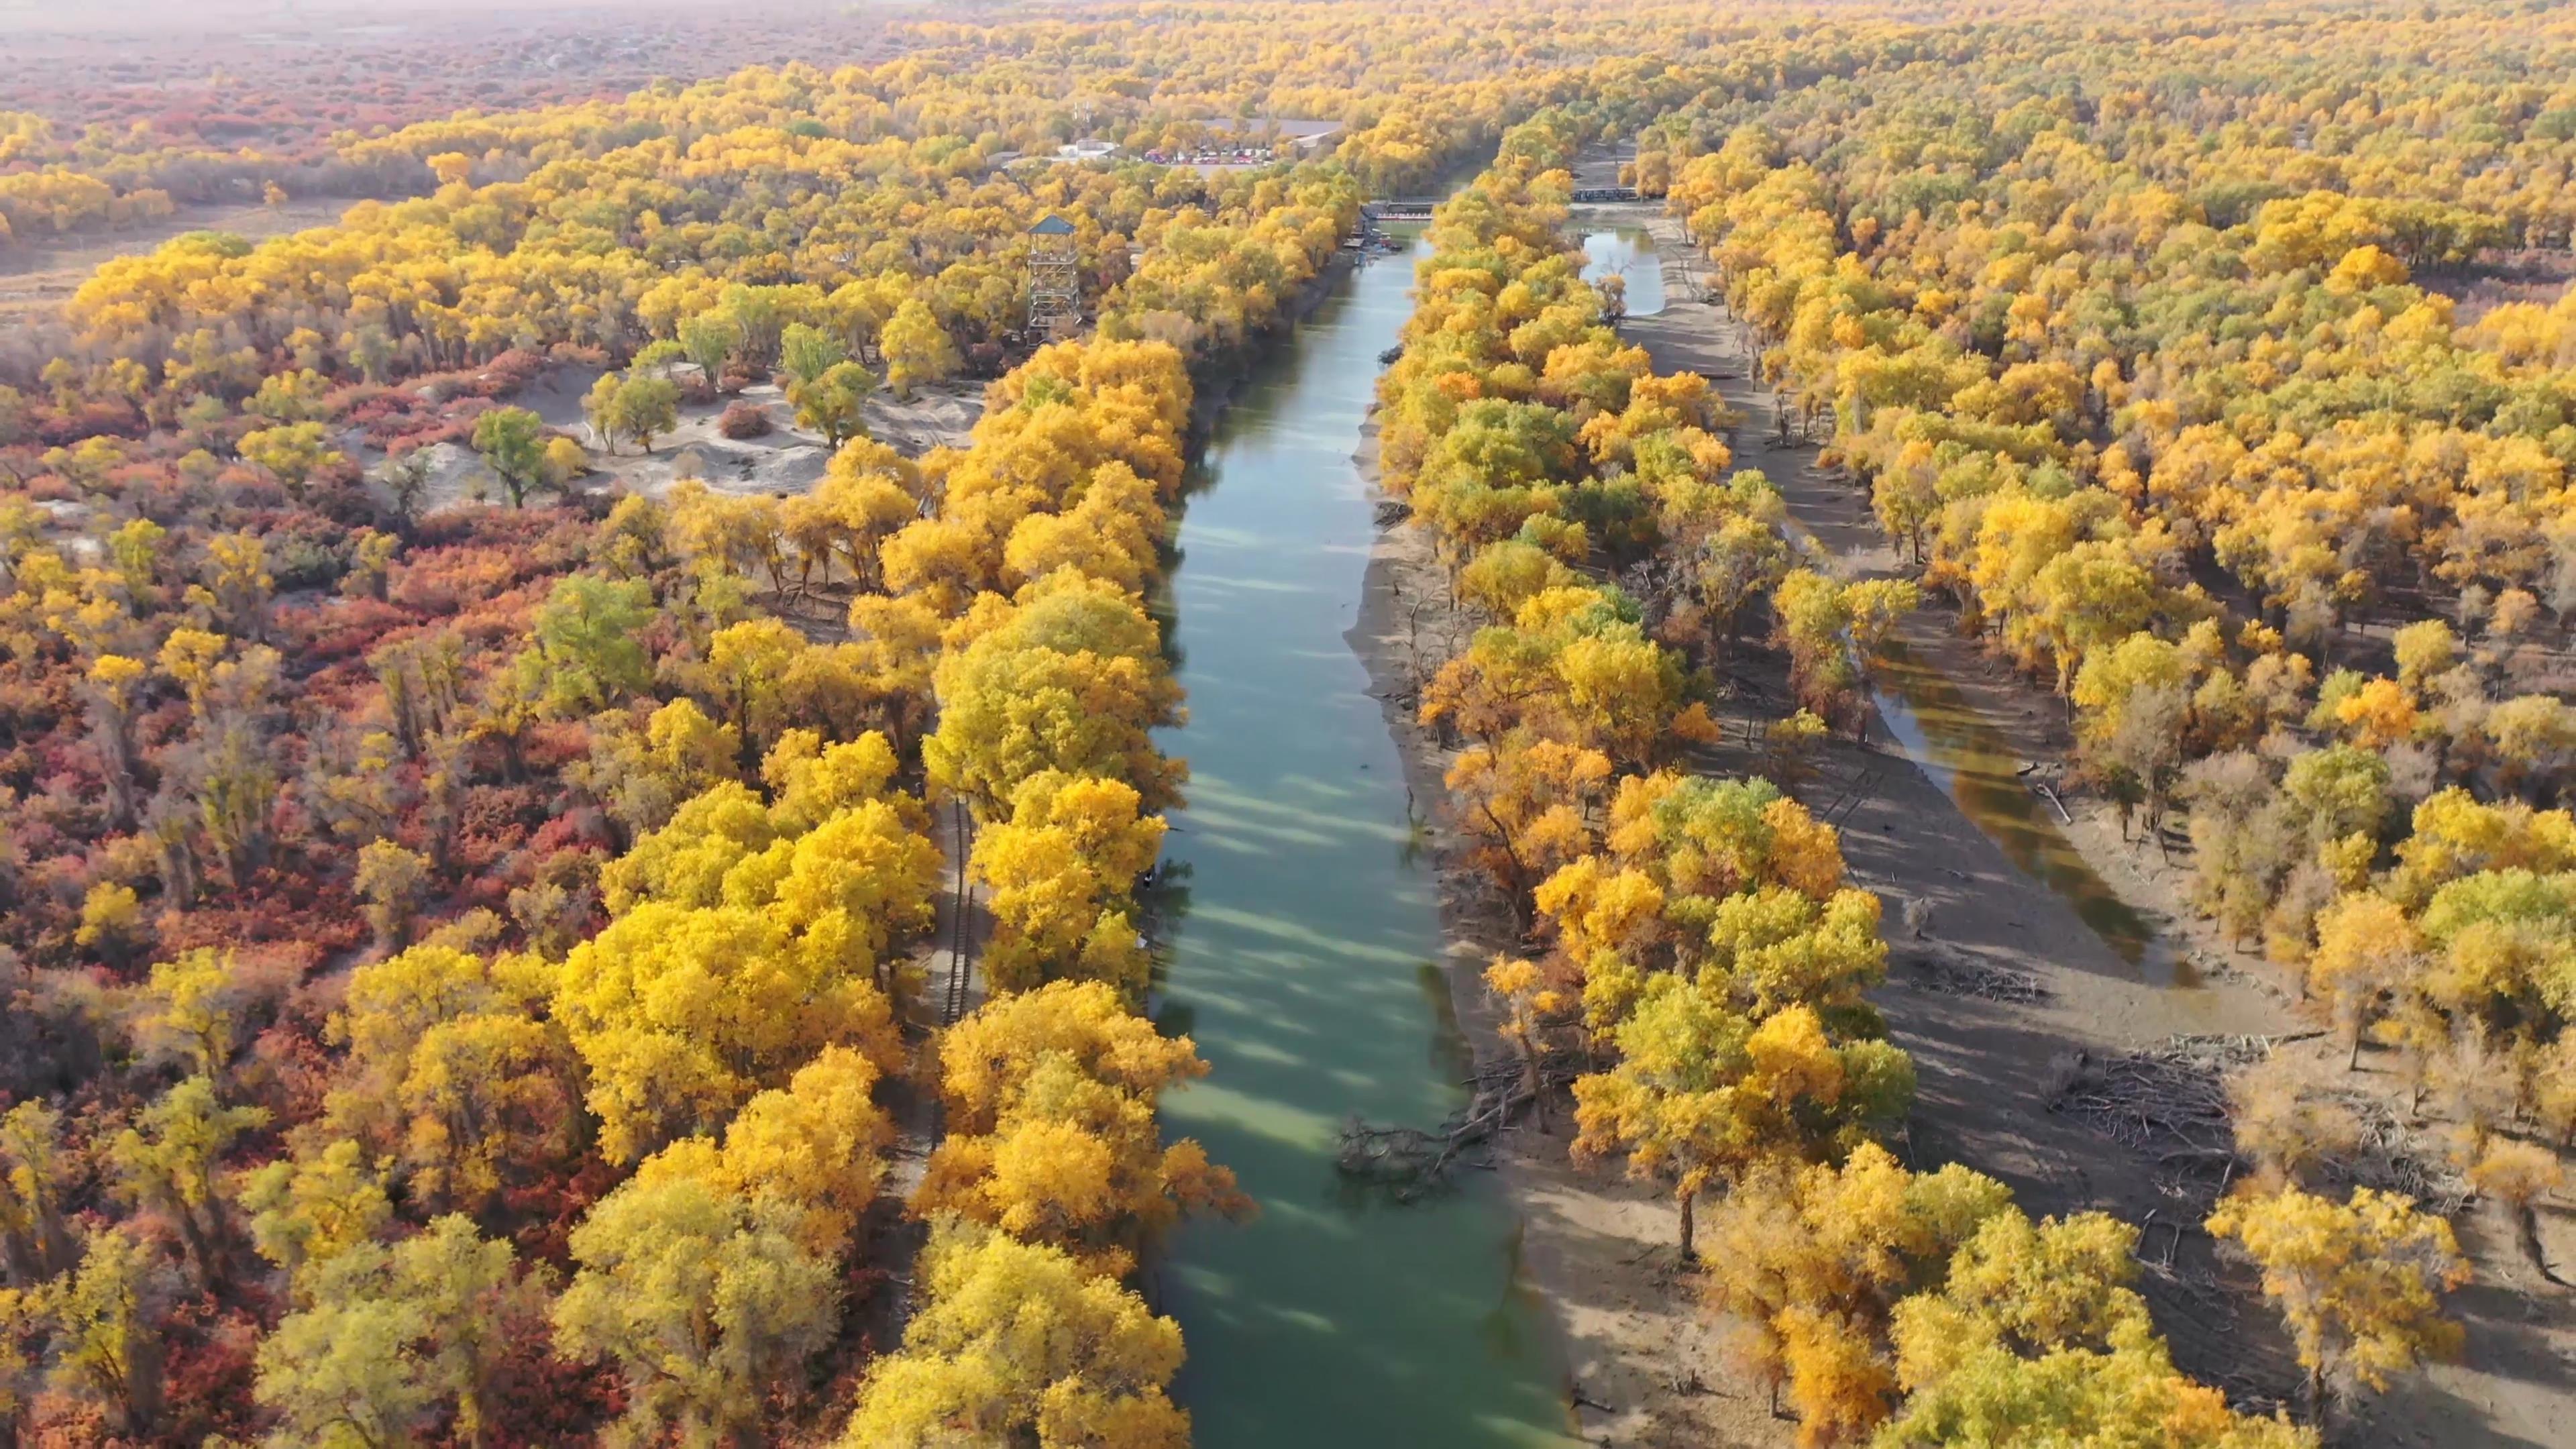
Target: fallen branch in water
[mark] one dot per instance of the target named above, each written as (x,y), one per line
(1410,1162)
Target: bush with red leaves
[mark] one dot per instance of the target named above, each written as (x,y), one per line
(333,629)
(536,1400)
(213,1360)
(744,420)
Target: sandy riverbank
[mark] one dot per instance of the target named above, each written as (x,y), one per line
(1600,1249)
(1646,1367)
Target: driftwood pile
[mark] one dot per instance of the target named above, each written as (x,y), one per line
(2168,1103)
(1946,974)
(2387,1160)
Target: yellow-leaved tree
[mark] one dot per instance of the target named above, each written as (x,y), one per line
(455,1074)
(1815,1257)
(1052,1136)
(1702,1092)
(1061,869)
(1022,1345)
(707,1305)
(2359,1283)
(683,1013)
(1069,677)
(2035,1336)
(812,1148)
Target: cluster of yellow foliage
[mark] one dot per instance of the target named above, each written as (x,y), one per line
(728,1027)
(1705,936)
(1028,581)
(1905,1309)
(2114,369)
(723,1035)
(838,196)
(2073,356)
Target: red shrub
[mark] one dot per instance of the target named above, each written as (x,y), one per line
(744,420)
(336,629)
(113,418)
(211,1366)
(439,581)
(538,1400)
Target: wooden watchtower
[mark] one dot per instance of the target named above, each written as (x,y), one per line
(1055,279)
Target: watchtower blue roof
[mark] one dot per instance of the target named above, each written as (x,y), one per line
(1053,226)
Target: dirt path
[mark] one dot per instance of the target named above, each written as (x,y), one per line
(1989,1068)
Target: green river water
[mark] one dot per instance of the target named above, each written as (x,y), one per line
(1301,957)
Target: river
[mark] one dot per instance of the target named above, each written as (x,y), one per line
(1301,957)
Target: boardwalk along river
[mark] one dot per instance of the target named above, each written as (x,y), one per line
(1302,961)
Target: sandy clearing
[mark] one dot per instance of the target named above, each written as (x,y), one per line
(783,462)
(37,277)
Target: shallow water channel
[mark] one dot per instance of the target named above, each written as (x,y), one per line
(1302,955)
(1969,755)
(1940,726)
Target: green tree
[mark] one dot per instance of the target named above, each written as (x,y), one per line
(312,1209)
(806,353)
(395,1336)
(590,633)
(512,441)
(292,453)
(645,408)
(101,1322)
(832,403)
(168,1159)
(709,339)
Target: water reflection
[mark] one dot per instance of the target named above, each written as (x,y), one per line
(1628,253)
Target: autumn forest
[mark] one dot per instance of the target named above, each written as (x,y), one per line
(596,822)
